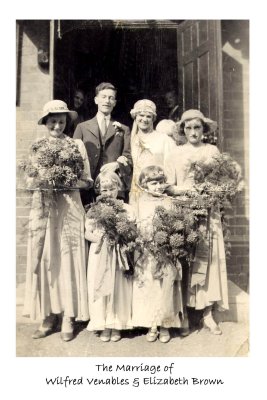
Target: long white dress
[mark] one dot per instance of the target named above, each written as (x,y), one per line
(109,290)
(214,288)
(156,302)
(58,282)
(147,149)
(151,306)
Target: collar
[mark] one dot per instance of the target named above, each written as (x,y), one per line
(100,117)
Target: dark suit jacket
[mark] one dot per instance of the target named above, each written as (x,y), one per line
(174,113)
(102,152)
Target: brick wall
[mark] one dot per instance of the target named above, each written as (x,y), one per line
(236,115)
(33,92)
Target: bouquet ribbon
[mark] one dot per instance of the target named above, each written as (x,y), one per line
(172,273)
(110,258)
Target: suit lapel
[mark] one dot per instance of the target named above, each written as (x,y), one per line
(92,126)
(110,131)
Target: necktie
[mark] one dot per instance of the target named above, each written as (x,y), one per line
(103,127)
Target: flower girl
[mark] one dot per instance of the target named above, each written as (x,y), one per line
(157,297)
(109,226)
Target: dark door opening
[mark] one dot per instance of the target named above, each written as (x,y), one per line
(141,63)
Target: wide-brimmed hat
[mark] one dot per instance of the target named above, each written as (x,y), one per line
(191,114)
(56,107)
(143,106)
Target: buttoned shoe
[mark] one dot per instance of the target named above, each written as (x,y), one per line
(105,335)
(152,335)
(115,335)
(164,335)
(66,329)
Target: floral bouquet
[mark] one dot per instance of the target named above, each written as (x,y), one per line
(216,184)
(54,164)
(175,234)
(219,180)
(118,228)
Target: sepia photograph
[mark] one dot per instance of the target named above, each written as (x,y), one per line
(132,192)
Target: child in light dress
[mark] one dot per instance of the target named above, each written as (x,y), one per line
(109,290)
(157,302)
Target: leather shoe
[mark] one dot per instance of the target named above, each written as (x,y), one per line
(47,326)
(67,329)
(184,332)
(66,336)
(40,334)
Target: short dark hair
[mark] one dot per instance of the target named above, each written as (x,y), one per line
(104,85)
(206,127)
(44,120)
(151,173)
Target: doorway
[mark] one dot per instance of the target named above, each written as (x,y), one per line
(140,61)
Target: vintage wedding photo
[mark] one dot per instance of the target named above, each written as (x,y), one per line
(132,200)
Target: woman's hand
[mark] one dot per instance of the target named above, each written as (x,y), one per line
(172,190)
(123,160)
(93,236)
(110,167)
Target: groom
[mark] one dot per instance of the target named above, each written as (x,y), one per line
(107,142)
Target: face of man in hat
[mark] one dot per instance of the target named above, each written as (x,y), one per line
(193,130)
(55,124)
(106,101)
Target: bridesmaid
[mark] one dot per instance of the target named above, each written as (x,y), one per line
(56,257)
(208,281)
